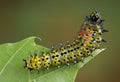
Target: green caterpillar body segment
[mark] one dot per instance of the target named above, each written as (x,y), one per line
(88,40)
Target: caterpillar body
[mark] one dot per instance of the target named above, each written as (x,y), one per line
(88,40)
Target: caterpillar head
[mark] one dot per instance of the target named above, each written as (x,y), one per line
(95,16)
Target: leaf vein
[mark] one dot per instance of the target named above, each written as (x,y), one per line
(13,57)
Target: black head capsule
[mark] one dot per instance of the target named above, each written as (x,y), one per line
(95,17)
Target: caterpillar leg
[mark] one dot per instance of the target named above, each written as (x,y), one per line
(104,30)
(38,71)
(58,66)
(30,54)
(103,40)
(25,63)
(35,53)
(47,68)
(68,64)
(31,69)
(75,62)
(82,61)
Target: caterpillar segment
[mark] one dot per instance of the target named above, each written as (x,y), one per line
(55,58)
(64,55)
(88,40)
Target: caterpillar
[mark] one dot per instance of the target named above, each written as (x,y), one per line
(88,40)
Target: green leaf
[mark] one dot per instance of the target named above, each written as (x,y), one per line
(12,67)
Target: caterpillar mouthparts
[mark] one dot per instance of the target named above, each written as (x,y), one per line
(88,40)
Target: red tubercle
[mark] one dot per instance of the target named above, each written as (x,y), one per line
(81,33)
(83,27)
(87,38)
(88,32)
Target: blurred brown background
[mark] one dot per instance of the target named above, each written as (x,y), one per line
(57,21)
